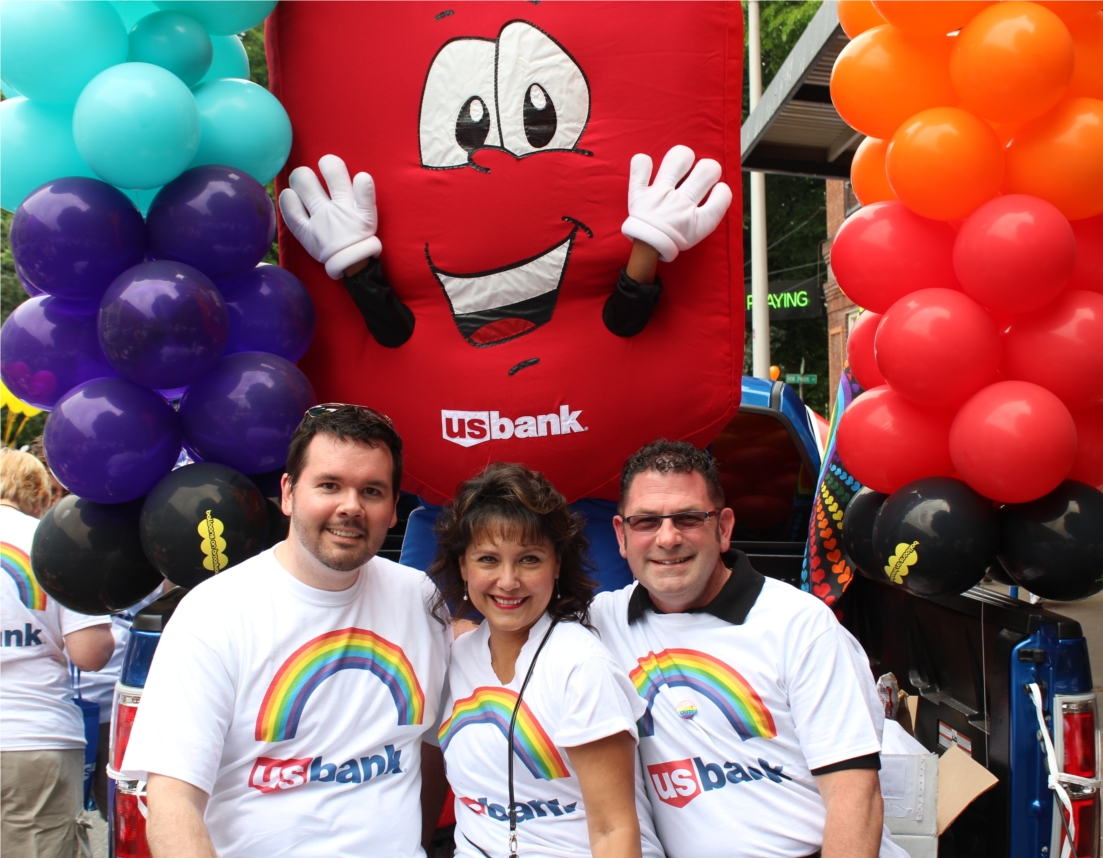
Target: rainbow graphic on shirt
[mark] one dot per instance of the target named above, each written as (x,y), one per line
(320,658)
(18,565)
(711,678)
(530,742)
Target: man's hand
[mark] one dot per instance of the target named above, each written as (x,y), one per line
(669,218)
(339,230)
(855,813)
(175,828)
(90,648)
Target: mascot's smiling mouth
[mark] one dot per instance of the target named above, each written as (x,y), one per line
(493,307)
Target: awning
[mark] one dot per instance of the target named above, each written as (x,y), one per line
(795,129)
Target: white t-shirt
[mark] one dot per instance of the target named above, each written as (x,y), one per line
(737,717)
(577,695)
(36,699)
(299,711)
(99,685)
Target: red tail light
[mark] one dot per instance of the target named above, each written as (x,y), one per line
(122,720)
(130,821)
(1078,752)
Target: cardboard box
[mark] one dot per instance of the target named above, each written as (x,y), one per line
(924,793)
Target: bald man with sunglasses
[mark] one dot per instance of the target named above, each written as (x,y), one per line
(761,735)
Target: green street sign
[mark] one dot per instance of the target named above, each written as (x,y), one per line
(794,378)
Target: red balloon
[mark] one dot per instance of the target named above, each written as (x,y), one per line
(937,347)
(1014,254)
(885,440)
(1088,272)
(859,351)
(1088,465)
(884,251)
(1060,348)
(1013,442)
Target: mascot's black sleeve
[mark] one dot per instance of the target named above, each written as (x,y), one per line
(629,308)
(389,320)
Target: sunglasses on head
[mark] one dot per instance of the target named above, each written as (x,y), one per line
(334,407)
(648,523)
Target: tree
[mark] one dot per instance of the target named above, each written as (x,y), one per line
(796,222)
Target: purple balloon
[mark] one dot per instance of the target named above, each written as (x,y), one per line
(71,237)
(46,350)
(270,311)
(245,410)
(163,324)
(110,441)
(28,288)
(217,219)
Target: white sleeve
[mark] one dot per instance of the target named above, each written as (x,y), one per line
(71,621)
(599,700)
(865,679)
(829,706)
(185,710)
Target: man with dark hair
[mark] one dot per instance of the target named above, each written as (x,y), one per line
(760,736)
(289,698)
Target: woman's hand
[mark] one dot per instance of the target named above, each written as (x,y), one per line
(606,772)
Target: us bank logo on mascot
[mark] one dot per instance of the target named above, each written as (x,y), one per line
(499,138)
(293,685)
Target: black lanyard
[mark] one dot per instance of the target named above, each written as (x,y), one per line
(509,739)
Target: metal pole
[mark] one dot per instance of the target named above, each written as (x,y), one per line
(760,301)
(801,388)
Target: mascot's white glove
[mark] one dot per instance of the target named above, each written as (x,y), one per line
(668,217)
(339,230)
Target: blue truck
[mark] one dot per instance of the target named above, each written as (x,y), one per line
(969,659)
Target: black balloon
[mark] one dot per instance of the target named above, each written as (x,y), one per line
(858,520)
(88,556)
(936,536)
(200,520)
(1053,546)
(269,482)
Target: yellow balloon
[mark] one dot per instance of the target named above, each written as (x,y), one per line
(14,404)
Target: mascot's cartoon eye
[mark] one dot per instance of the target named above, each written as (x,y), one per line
(539,116)
(473,124)
(543,96)
(523,93)
(457,104)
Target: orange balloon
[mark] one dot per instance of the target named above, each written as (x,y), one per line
(929,17)
(1071,11)
(1059,157)
(1087,44)
(857,16)
(867,172)
(1004,130)
(944,162)
(1012,62)
(885,75)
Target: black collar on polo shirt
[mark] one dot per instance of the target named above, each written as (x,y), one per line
(731,604)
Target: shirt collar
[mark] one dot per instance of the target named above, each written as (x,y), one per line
(731,604)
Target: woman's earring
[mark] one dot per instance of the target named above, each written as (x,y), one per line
(465,591)
(557,596)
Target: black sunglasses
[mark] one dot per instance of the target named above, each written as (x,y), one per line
(333,407)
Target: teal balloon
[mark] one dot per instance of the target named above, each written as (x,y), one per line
(136,125)
(132,11)
(230,59)
(244,126)
(49,49)
(8,90)
(225,17)
(175,42)
(36,146)
(142,199)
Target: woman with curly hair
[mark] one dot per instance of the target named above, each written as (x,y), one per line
(533,677)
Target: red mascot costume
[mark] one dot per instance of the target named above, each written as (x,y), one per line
(486,305)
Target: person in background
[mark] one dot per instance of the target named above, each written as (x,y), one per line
(42,737)
(571,784)
(759,737)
